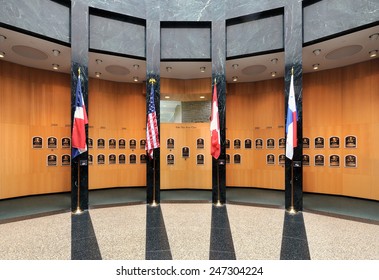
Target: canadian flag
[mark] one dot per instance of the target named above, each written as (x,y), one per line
(215,126)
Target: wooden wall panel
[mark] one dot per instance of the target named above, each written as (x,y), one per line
(185,173)
(33,103)
(116,110)
(255,110)
(342,102)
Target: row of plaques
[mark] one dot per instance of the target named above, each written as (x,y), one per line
(319,143)
(319,160)
(52,143)
(52,159)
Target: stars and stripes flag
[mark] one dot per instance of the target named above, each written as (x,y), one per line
(79,144)
(152,137)
(215,125)
(291,124)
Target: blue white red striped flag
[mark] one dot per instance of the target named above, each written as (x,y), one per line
(79,139)
(152,137)
(291,124)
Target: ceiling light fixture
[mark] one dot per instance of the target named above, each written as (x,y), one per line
(315,66)
(2,38)
(373,53)
(274,61)
(135,66)
(56,52)
(235,78)
(2,54)
(317,52)
(168,69)
(167,97)
(273,74)
(202,69)
(374,36)
(97,74)
(202,97)
(135,79)
(55,66)
(99,61)
(235,66)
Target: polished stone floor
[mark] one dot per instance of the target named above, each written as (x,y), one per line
(187,226)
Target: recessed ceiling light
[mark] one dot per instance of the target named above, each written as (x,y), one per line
(55,66)
(168,69)
(315,66)
(167,97)
(135,79)
(135,66)
(99,61)
(374,36)
(97,74)
(373,53)
(2,54)
(202,69)
(56,52)
(235,78)
(202,97)
(274,61)
(273,74)
(2,38)
(235,66)
(317,52)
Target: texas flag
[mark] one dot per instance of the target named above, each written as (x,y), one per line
(215,126)
(291,125)
(79,144)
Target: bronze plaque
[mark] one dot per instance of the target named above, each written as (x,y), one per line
(247,143)
(100,159)
(237,158)
(100,143)
(66,143)
(334,142)
(121,143)
(200,143)
(319,142)
(170,143)
(112,159)
(185,152)
(90,159)
(282,143)
(52,142)
(51,160)
(350,141)
(270,159)
(259,143)
(132,144)
(170,159)
(334,161)
(319,160)
(90,143)
(200,159)
(270,143)
(282,159)
(142,158)
(227,158)
(305,142)
(227,144)
(121,159)
(112,143)
(237,144)
(351,161)
(133,159)
(66,160)
(142,144)
(306,160)
(37,142)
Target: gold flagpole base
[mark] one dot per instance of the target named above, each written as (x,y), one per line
(218,204)
(292,210)
(154,204)
(77,211)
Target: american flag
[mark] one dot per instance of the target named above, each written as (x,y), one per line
(152,137)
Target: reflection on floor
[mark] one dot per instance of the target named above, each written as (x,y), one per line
(252,225)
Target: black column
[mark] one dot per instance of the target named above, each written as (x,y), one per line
(218,75)
(293,39)
(79,59)
(153,58)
